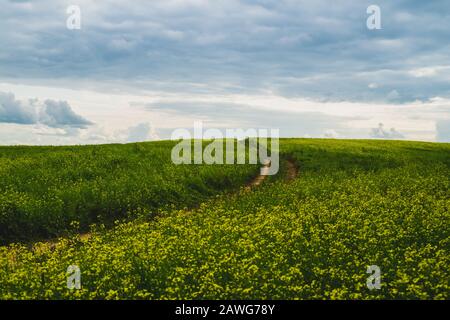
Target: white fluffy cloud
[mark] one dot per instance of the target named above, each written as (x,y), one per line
(443,130)
(381,133)
(141,132)
(331,134)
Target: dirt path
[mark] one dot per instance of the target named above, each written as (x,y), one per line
(292,172)
(261,177)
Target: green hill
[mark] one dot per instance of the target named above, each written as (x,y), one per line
(52,191)
(353,204)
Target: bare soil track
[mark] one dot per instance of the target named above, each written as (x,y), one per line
(292,170)
(291,173)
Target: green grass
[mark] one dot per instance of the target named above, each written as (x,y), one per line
(51,191)
(354,204)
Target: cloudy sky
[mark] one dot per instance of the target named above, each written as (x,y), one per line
(137,70)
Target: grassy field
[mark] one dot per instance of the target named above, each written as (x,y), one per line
(353,204)
(51,191)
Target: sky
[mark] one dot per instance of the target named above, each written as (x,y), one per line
(138,70)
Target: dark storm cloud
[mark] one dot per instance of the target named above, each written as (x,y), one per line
(317,49)
(14,111)
(56,114)
(59,114)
